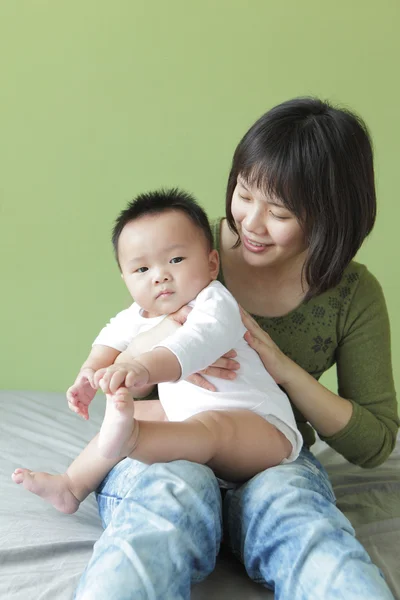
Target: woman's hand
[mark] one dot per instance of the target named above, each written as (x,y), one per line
(223,368)
(278,365)
(327,412)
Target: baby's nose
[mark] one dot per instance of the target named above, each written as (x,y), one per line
(161,277)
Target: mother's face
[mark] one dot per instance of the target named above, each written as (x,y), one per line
(269,233)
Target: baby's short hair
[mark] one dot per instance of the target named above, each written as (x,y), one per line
(157,202)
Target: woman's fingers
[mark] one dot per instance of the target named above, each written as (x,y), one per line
(200,381)
(248,320)
(252,326)
(249,338)
(230,354)
(220,373)
(254,342)
(223,368)
(223,363)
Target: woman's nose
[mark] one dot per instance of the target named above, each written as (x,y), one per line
(255,221)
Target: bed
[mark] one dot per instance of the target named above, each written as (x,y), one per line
(43,552)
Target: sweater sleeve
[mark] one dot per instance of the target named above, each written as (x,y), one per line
(365,378)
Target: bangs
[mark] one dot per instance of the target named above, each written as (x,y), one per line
(317,161)
(276,176)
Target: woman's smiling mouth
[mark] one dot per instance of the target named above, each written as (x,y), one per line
(254,246)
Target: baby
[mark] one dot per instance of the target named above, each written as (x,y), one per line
(164,248)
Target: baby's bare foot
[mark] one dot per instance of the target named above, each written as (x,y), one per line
(52,488)
(118,427)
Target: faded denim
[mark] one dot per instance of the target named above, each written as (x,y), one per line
(164,526)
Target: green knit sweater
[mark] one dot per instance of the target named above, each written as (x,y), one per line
(348,326)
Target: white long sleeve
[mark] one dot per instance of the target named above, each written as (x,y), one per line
(212,328)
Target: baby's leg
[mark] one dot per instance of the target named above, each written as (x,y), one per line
(118,431)
(235,444)
(66,491)
(248,445)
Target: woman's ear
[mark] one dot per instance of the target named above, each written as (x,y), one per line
(214,264)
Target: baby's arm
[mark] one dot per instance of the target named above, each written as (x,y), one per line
(139,392)
(141,345)
(83,390)
(152,337)
(211,329)
(150,368)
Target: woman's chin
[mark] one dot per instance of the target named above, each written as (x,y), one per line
(259,258)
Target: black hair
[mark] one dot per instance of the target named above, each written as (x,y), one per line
(318,160)
(159,201)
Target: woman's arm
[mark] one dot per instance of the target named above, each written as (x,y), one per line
(327,412)
(361,421)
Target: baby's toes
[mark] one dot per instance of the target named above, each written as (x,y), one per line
(19,475)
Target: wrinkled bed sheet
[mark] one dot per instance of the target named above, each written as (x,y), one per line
(43,552)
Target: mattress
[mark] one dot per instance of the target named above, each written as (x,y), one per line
(44,552)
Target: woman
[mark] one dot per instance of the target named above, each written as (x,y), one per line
(300,201)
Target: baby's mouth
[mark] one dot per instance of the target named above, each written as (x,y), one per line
(164,294)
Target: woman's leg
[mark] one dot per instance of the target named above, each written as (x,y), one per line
(283,524)
(163,531)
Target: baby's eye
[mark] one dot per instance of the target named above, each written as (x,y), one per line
(142,270)
(176,260)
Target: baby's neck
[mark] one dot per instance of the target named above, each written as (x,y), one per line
(153,315)
(149,315)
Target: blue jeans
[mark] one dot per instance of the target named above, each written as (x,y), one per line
(164,526)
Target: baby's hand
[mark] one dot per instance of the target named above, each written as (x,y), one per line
(82,392)
(130,375)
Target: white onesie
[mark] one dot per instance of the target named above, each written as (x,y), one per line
(213,327)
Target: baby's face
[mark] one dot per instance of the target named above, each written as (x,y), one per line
(165,261)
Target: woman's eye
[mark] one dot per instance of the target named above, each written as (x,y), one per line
(141,270)
(244,198)
(279,217)
(176,260)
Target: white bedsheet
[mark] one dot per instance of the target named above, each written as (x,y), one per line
(43,552)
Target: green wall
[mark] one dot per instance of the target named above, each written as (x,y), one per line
(100,100)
